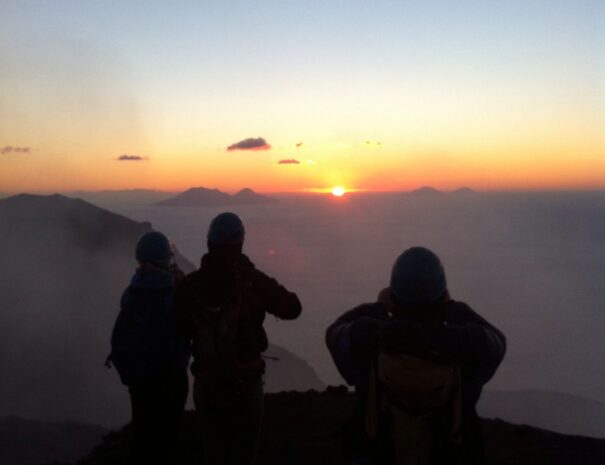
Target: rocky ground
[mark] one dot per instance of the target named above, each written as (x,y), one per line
(305,428)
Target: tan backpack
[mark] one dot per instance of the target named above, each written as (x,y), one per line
(422,399)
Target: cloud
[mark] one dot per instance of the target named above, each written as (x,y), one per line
(10,149)
(289,161)
(250,143)
(299,144)
(126,157)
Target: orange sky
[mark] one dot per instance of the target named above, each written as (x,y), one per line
(492,96)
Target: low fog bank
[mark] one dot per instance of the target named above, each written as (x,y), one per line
(531,263)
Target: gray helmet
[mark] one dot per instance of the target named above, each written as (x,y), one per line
(418,277)
(226,228)
(153,247)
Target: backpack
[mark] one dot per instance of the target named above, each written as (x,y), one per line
(217,346)
(143,340)
(415,403)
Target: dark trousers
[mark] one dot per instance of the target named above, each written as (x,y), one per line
(157,412)
(230,421)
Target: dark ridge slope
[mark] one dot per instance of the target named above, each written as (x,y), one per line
(64,266)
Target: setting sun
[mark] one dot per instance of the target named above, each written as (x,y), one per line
(338,191)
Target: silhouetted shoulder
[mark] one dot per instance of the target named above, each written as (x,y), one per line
(460,313)
(190,279)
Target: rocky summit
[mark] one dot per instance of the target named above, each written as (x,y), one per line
(305,428)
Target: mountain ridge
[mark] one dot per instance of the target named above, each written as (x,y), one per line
(203,196)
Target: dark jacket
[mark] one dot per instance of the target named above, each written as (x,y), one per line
(233,297)
(458,332)
(145,342)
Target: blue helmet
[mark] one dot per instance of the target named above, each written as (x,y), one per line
(226,228)
(418,277)
(153,247)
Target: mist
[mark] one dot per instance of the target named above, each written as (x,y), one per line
(531,263)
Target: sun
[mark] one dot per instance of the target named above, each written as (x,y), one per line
(338,191)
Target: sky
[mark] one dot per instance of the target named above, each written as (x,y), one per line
(302,95)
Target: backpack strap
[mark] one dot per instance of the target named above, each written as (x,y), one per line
(373,405)
(456,408)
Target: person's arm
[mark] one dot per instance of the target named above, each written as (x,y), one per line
(474,340)
(351,340)
(279,301)
(357,329)
(465,336)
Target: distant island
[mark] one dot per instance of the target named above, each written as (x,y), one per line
(428,191)
(425,191)
(202,196)
(464,191)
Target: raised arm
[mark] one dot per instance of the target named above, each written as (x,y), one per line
(474,340)
(466,336)
(350,340)
(280,301)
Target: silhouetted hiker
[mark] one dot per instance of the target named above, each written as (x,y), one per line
(221,308)
(149,354)
(418,361)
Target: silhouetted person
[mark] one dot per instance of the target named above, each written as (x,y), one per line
(221,308)
(418,361)
(149,355)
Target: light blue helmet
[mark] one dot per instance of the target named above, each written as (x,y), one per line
(153,247)
(418,277)
(226,228)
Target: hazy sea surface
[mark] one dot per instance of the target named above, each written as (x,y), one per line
(531,263)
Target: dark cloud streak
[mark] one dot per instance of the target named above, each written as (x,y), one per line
(10,149)
(289,161)
(251,143)
(126,157)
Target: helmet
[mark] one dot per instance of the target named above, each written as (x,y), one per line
(226,228)
(418,277)
(153,247)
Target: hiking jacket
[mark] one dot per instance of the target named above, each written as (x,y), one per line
(463,335)
(145,342)
(241,289)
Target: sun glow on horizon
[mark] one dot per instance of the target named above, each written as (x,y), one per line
(338,191)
